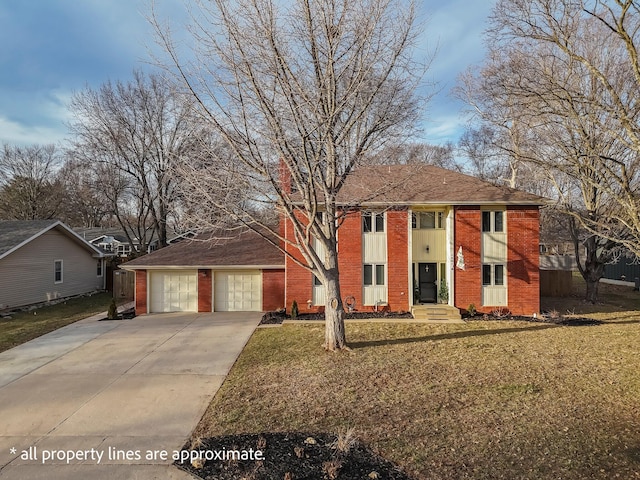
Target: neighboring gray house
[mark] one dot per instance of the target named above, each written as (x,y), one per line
(41,260)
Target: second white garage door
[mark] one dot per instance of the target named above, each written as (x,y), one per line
(239,291)
(173,291)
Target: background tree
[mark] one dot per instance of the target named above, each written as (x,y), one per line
(29,186)
(132,134)
(592,47)
(85,204)
(546,108)
(443,156)
(303,90)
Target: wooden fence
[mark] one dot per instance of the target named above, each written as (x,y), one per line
(123,285)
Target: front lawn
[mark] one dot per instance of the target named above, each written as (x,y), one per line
(24,326)
(482,400)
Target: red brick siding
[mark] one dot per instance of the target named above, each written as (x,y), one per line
(205,277)
(468,282)
(298,280)
(523,279)
(272,290)
(350,257)
(523,274)
(141,292)
(398,260)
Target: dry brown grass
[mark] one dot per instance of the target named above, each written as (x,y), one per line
(482,400)
(25,326)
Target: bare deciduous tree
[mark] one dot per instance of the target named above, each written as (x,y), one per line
(312,85)
(592,45)
(29,187)
(133,133)
(547,87)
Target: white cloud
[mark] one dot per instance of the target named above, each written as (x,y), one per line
(16,133)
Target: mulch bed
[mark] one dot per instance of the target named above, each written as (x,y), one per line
(124,315)
(288,456)
(277,317)
(271,318)
(560,320)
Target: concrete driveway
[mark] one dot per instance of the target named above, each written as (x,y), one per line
(116,388)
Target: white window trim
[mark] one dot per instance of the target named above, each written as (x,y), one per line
(493,274)
(101,263)
(373,214)
(61,272)
(443,219)
(492,220)
(374,286)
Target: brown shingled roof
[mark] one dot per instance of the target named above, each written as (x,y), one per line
(229,249)
(425,184)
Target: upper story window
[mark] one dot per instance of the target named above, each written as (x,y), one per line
(372,222)
(493,221)
(427,220)
(57,271)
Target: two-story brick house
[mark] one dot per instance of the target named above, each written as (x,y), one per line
(420,228)
(407,232)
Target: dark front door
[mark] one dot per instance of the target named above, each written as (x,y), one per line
(427,276)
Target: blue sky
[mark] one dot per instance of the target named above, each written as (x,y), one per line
(52,48)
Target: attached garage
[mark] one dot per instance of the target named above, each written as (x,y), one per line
(238,291)
(173,291)
(241,273)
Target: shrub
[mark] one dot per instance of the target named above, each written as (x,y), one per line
(294,310)
(443,294)
(112,313)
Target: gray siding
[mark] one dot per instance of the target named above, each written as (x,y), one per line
(26,275)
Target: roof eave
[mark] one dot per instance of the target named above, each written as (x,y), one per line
(207,267)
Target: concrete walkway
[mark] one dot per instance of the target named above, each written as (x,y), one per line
(118,389)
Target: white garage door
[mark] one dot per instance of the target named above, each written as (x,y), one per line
(238,291)
(174,291)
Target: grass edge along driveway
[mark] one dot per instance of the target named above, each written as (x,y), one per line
(25,326)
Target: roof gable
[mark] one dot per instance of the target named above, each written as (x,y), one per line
(16,233)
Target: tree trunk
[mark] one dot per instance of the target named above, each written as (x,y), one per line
(334,333)
(592,290)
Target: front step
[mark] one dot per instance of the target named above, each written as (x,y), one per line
(436,313)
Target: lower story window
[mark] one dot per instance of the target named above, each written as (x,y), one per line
(492,274)
(318,292)
(374,281)
(373,274)
(494,289)
(99,268)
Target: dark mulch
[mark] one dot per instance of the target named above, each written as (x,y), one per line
(293,456)
(278,317)
(560,320)
(127,314)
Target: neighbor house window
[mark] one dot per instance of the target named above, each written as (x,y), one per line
(427,220)
(99,268)
(372,222)
(492,274)
(493,221)
(57,271)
